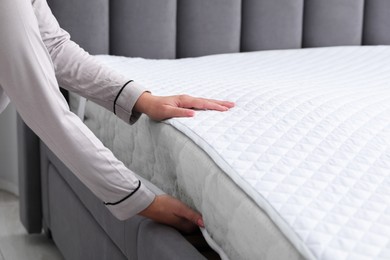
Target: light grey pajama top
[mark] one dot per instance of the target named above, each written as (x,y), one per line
(36,56)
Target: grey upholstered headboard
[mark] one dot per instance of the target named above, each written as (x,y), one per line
(183,28)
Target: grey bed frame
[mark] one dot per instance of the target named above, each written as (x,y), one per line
(52,198)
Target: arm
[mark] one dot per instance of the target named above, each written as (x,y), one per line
(27,77)
(74,67)
(79,72)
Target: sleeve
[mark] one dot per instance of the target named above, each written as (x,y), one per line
(27,77)
(79,72)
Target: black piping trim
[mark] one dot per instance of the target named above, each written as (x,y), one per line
(117,96)
(128,196)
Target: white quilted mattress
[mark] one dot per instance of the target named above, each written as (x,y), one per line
(307,146)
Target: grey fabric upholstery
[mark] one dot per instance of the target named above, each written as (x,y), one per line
(154,39)
(76,234)
(87,20)
(269,25)
(208,27)
(112,226)
(173,246)
(185,28)
(333,22)
(29,178)
(377,22)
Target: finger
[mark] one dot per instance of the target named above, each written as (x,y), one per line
(214,106)
(191,215)
(178,112)
(224,103)
(182,217)
(203,103)
(185,225)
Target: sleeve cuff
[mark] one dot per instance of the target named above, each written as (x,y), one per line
(132,205)
(126,100)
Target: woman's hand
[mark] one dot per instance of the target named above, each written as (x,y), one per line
(170,211)
(166,209)
(160,108)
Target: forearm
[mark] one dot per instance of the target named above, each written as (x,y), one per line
(80,72)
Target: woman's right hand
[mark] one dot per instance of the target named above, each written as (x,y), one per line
(167,210)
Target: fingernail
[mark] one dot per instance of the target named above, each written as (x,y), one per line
(200,223)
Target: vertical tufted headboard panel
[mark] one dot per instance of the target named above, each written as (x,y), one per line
(145,28)
(184,28)
(86,20)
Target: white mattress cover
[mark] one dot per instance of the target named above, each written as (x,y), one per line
(308,140)
(236,227)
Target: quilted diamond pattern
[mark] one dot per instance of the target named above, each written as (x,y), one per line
(308,140)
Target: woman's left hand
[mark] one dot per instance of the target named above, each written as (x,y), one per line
(160,108)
